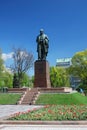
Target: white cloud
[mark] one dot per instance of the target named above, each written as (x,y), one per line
(7,56)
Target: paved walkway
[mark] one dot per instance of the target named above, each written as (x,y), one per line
(7,110)
(42,127)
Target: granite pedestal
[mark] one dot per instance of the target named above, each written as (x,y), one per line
(42,76)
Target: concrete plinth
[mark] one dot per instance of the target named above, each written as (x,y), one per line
(42,76)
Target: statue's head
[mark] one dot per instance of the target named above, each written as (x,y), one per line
(41,31)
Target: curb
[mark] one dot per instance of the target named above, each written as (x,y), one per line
(43,122)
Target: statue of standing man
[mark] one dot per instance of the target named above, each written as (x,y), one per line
(42,45)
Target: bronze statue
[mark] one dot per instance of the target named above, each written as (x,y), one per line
(42,45)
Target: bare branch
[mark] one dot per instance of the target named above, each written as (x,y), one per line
(23,61)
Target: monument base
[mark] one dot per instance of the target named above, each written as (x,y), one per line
(42,76)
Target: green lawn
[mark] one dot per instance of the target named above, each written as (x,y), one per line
(62,99)
(6,98)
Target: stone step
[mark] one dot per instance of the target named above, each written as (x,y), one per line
(30,96)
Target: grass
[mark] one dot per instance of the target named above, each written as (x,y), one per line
(62,99)
(54,112)
(9,99)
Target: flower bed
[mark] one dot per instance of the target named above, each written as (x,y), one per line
(54,112)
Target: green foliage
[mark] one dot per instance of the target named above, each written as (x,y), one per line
(5,76)
(6,79)
(62,99)
(15,81)
(6,98)
(84,87)
(79,67)
(27,80)
(79,64)
(1,63)
(59,77)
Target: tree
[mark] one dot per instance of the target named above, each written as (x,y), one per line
(1,63)
(27,81)
(8,78)
(23,61)
(59,77)
(79,67)
(1,69)
(5,76)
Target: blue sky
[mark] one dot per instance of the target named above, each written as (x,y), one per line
(64,21)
